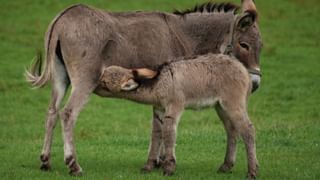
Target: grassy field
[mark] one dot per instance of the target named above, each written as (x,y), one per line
(112,136)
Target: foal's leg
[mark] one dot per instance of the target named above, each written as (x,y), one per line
(170,122)
(156,141)
(248,135)
(240,121)
(78,98)
(60,84)
(231,150)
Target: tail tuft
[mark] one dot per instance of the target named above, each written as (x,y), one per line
(33,74)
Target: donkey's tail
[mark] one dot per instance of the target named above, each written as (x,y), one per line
(34,74)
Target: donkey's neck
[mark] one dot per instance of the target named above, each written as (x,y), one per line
(204,32)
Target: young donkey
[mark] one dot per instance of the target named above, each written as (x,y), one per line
(218,81)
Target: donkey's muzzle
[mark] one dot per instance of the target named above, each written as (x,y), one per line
(255,79)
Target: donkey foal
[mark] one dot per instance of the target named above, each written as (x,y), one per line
(208,81)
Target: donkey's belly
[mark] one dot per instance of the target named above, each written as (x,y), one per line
(201,103)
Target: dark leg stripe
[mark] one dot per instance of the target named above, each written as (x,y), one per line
(70,161)
(44,158)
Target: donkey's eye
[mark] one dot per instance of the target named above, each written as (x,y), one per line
(244,46)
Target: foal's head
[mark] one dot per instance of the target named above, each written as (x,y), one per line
(117,79)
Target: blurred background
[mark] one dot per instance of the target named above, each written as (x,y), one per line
(112,136)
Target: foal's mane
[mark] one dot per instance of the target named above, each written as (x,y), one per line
(209,7)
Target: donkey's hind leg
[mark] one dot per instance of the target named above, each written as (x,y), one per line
(79,95)
(60,84)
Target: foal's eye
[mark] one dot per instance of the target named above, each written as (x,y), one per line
(244,46)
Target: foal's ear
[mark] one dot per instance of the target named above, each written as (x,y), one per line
(246,20)
(144,73)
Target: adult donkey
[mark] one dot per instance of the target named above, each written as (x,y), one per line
(81,40)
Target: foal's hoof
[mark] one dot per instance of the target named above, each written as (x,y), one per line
(168,173)
(225,168)
(149,166)
(251,176)
(146,169)
(253,173)
(169,167)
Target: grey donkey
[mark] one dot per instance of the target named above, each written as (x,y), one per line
(218,81)
(81,40)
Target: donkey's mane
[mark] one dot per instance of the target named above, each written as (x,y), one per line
(209,7)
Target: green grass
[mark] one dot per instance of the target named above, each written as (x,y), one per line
(112,136)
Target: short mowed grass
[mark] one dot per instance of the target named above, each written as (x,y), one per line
(112,136)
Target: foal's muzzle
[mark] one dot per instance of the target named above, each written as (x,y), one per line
(255,75)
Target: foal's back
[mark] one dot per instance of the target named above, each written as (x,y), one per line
(211,78)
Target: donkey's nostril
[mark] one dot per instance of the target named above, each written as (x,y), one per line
(255,86)
(255,82)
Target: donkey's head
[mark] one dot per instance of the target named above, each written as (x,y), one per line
(219,29)
(116,78)
(246,40)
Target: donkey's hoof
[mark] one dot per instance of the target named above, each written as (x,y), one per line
(74,167)
(225,168)
(76,173)
(75,170)
(45,167)
(45,164)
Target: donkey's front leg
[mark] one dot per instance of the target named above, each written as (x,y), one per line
(69,116)
(154,161)
(170,122)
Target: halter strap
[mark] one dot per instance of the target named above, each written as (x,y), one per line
(255,72)
(229,48)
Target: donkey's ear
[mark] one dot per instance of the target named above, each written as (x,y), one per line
(246,20)
(144,73)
